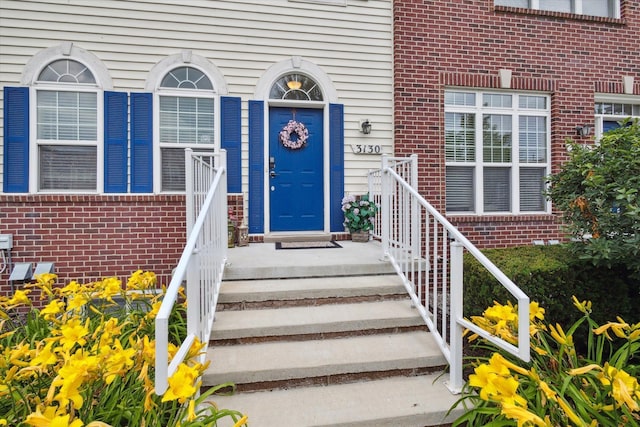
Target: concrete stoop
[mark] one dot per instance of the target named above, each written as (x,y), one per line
(328,351)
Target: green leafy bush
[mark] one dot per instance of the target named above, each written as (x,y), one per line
(551,275)
(597,191)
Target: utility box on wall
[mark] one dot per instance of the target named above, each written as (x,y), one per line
(6,241)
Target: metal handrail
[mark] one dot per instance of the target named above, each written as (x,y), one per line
(202,261)
(426,251)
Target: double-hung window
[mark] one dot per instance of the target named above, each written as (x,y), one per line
(605,8)
(496,152)
(67,122)
(186,120)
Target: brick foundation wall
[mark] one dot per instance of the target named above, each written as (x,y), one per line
(493,231)
(459,43)
(90,237)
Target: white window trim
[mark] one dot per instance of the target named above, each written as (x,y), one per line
(158,73)
(31,72)
(515,111)
(535,5)
(35,143)
(613,98)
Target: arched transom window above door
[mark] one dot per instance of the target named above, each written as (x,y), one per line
(296,87)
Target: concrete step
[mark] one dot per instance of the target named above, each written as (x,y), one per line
(242,294)
(282,362)
(263,261)
(391,402)
(343,319)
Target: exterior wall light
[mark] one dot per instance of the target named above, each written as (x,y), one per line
(583,130)
(365,126)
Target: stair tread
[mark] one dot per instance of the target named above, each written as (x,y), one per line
(399,401)
(250,363)
(315,319)
(316,287)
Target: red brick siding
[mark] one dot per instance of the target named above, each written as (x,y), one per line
(94,236)
(464,43)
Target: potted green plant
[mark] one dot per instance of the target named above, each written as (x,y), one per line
(359,213)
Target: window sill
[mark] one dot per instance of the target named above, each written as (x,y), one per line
(507,217)
(565,15)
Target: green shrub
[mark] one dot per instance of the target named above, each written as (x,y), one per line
(551,275)
(598,192)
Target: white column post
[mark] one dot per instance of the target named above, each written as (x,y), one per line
(385,208)
(416,222)
(456,382)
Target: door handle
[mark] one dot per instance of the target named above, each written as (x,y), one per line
(272,174)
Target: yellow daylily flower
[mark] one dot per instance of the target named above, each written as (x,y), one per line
(50,418)
(72,288)
(497,358)
(44,357)
(73,332)
(522,415)
(110,287)
(77,301)
(583,306)
(620,328)
(501,312)
(535,311)
(140,280)
(118,361)
(548,392)
(19,297)
(584,369)
(623,386)
(182,384)
(558,334)
(242,421)
(155,307)
(575,419)
(52,309)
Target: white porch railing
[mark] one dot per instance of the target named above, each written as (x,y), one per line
(202,261)
(426,250)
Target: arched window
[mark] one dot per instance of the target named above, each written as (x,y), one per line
(67,127)
(297,87)
(187,119)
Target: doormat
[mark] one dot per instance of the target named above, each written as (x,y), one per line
(307,245)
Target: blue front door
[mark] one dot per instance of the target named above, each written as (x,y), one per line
(296,196)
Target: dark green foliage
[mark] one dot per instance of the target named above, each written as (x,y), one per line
(597,191)
(551,275)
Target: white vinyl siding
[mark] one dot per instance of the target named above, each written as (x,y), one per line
(496,152)
(352,44)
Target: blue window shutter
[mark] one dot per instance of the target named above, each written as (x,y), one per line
(256,166)
(16,140)
(230,135)
(141,142)
(115,142)
(336,166)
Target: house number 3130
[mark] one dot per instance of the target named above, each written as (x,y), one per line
(366,149)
